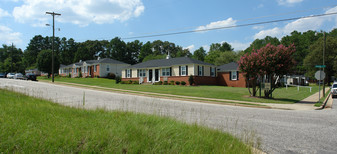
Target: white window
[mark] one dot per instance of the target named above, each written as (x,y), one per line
(166,72)
(200,68)
(75,70)
(85,69)
(95,68)
(128,73)
(108,68)
(212,71)
(183,70)
(234,75)
(142,73)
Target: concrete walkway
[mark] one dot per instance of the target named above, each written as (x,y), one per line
(305,104)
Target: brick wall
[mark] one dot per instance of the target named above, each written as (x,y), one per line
(205,80)
(97,70)
(224,80)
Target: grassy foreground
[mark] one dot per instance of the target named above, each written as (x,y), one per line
(30,125)
(280,95)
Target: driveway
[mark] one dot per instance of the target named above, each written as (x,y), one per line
(278,131)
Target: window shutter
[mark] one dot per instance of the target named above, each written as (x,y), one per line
(130,73)
(171,71)
(186,70)
(179,70)
(215,71)
(137,73)
(203,68)
(198,70)
(237,75)
(230,75)
(126,73)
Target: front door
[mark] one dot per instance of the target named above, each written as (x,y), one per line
(150,75)
(156,75)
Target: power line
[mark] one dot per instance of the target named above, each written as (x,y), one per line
(245,19)
(227,27)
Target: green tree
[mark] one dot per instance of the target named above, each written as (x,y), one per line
(145,51)
(315,57)
(221,47)
(67,51)
(199,54)
(133,50)
(211,56)
(226,57)
(259,43)
(153,57)
(44,62)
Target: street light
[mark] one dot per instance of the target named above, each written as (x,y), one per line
(52,61)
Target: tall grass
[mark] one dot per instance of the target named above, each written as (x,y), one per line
(30,125)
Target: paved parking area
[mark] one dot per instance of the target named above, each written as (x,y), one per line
(278,131)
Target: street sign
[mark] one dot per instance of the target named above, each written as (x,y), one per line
(320,75)
(320,66)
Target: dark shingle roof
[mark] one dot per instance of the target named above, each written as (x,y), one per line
(103,60)
(168,62)
(111,61)
(228,67)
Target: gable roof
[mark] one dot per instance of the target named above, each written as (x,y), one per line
(228,67)
(103,60)
(168,62)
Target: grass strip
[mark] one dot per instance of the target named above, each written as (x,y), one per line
(31,125)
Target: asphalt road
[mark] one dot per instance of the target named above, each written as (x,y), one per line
(276,131)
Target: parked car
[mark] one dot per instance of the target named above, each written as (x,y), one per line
(30,76)
(18,76)
(334,90)
(10,75)
(2,75)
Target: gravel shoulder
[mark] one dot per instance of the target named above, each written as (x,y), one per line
(276,131)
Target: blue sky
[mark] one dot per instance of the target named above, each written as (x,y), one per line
(20,20)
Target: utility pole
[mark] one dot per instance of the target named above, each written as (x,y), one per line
(12,58)
(324,39)
(52,55)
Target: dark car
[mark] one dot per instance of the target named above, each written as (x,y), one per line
(2,75)
(31,76)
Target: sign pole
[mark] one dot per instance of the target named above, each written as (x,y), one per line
(319,86)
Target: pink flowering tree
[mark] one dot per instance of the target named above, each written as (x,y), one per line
(269,62)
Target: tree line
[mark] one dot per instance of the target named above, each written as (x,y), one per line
(308,49)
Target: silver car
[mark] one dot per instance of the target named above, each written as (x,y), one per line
(10,75)
(18,76)
(334,90)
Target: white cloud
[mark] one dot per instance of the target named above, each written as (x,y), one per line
(81,12)
(206,47)
(217,24)
(258,27)
(190,48)
(7,36)
(239,45)
(288,2)
(3,13)
(300,25)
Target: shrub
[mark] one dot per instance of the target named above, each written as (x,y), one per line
(172,82)
(130,82)
(183,83)
(123,82)
(118,79)
(177,82)
(191,80)
(111,76)
(69,75)
(135,82)
(165,83)
(80,74)
(160,82)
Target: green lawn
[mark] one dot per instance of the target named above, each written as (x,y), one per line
(281,95)
(30,125)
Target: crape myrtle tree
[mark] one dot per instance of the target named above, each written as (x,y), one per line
(269,62)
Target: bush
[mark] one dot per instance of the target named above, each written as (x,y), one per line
(160,83)
(183,83)
(111,76)
(177,82)
(118,79)
(191,80)
(165,83)
(80,74)
(123,82)
(172,82)
(69,75)
(135,82)
(130,82)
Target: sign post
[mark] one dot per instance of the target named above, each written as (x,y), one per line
(319,75)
